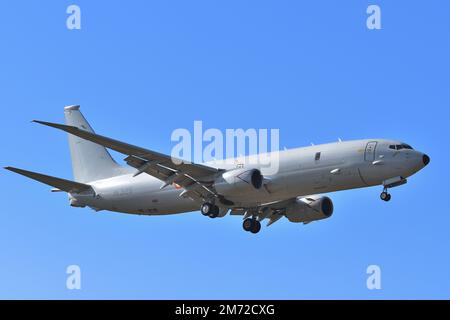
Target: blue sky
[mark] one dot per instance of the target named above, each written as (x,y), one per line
(141,69)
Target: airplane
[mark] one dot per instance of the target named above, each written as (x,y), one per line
(154,184)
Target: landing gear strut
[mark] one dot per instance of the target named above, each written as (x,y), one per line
(252,225)
(210,210)
(385,196)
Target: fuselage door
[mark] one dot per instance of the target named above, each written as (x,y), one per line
(369,154)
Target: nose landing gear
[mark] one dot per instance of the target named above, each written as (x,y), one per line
(391,183)
(385,196)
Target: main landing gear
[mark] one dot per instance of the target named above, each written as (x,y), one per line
(210,210)
(385,196)
(252,225)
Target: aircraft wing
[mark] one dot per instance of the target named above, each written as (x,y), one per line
(273,211)
(61,184)
(273,206)
(196,179)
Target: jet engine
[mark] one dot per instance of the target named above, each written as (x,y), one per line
(237,182)
(309,209)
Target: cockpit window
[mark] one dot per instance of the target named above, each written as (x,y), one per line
(406,146)
(400,146)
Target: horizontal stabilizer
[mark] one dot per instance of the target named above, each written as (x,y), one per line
(61,184)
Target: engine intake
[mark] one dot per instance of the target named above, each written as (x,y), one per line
(237,181)
(310,209)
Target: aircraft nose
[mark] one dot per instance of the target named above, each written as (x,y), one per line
(425,159)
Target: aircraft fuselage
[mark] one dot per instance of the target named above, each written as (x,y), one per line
(301,171)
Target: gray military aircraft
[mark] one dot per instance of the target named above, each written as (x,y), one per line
(155,184)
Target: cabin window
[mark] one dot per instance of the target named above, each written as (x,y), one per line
(317,158)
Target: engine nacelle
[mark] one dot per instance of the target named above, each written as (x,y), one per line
(239,181)
(76,203)
(310,209)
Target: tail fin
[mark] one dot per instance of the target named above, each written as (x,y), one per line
(90,161)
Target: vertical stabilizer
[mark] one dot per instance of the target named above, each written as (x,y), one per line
(90,161)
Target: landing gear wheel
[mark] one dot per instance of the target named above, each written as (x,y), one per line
(385,196)
(256,226)
(214,212)
(251,225)
(247,224)
(210,210)
(206,208)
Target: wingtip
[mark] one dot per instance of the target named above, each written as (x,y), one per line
(49,124)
